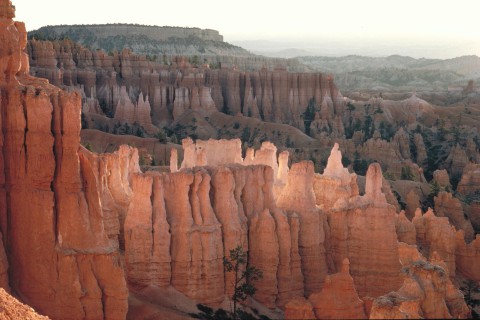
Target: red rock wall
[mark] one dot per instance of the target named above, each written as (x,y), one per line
(60,259)
(274,95)
(363,230)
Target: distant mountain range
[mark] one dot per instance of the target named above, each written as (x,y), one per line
(352,72)
(397,73)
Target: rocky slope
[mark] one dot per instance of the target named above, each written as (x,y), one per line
(125,93)
(91,236)
(12,309)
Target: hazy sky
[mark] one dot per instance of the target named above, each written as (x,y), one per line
(453,24)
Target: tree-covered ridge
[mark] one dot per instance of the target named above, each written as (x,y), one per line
(142,39)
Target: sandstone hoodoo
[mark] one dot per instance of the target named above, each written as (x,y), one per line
(67,266)
(88,235)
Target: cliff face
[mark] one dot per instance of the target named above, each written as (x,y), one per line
(81,231)
(426,292)
(152,32)
(149,40)
(367,222)
(275,96)
(49,192)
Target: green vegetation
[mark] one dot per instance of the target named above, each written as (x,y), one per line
(245,137)
(469,289)
(245,276)
(368,127)
(207,313)
(360,166)
(126,129)
(309,115)
(429,201)
(469,198)
(161,136)
(146,41)
(88,146)
(407,174)
(350,106)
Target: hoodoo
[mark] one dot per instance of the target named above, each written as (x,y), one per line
(60,260)
(91,236)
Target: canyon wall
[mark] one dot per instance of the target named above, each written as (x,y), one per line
(275,96)
(152,32)
(60,259)
(82,232)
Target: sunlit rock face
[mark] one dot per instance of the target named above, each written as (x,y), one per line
(298,197)
(363,230)
(426,292)
(338,298)
(335,183)
(80,231)
(67,266)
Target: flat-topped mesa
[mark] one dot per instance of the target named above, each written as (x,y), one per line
(155,33)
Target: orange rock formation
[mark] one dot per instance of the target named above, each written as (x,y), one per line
(426,293)
(98,228)
(363,230)
(338,298)
(67,265)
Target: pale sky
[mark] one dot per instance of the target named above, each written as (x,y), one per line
(406,22)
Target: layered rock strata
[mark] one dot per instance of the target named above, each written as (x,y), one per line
(436,236)
(85,212)
(170,91)
(426,293)
(448,206)
(298,198)
(180,225)
(362,229)
(49,190)
(335,183)
(338,298)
